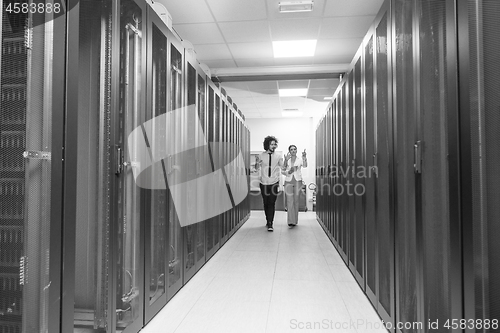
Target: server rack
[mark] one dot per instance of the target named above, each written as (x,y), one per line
(204,167)
(158,208)
(30,169)
(424,136)
(479,155)
(212,227)
(76,230)
(191,138)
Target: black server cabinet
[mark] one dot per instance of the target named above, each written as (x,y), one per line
(479,46)
(438,178)
(348,171)
(174,170)
(90,266)
(349,189)
(336,172)
(31,186)
(344,201)
(359,173)
(405,134)
(103,277)
(212,224)
(157,200)
(370,166)
(329,171)
(223,136)
(383,163)
(128,248)
(190,156)
(203,167)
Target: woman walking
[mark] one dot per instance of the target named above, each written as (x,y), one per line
(292,167)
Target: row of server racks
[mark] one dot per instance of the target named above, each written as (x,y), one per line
(407,167)
(84,247)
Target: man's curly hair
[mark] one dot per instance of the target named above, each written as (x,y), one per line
(267,141)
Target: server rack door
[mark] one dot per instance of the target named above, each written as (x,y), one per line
(190,137)
(344,236)
(222,154)
(235,166)
(405,120)
(129,211)
(226,155)
(351,231)
(203,167)
(318,171)
(437,115)
(212,226)
(371,167)
(318,176)
(227,136)
(479,86)
(31,141)
(157,211)
(359,175)
(88,283)
(384,206)
(232,171)
(324,170)
(335,173)
(174,169)
(217,153)
(329,170)
(238,174)
(228,171)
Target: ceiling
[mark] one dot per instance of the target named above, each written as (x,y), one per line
(234,39)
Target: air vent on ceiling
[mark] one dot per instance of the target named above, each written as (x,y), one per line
(295,6)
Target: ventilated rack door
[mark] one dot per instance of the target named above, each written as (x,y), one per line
(212,226)
(351,222)
(370,166)
(204,167)
(480,84)
(405,121)
(129,216)
(189,136)
(360,173)
(436,92)
(31,61)
(385,224)
(94,168)
(174,171)
(156,192)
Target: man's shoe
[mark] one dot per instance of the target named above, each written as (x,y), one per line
(270,228)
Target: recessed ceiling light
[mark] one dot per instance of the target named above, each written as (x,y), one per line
(291,113)
(294,48)
(295,6)
(327,98)
(292,92)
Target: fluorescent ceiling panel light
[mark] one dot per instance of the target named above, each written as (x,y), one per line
(292,92)
(294,48)
(327,98)
(291,113)
(295,6)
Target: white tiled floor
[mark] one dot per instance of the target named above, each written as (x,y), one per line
(289,280)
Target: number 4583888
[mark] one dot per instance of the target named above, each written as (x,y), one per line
(41,8)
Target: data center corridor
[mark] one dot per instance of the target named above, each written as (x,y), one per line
(289,280)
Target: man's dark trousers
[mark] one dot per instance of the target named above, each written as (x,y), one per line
(269,195)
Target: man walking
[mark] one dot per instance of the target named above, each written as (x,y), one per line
(270,164)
